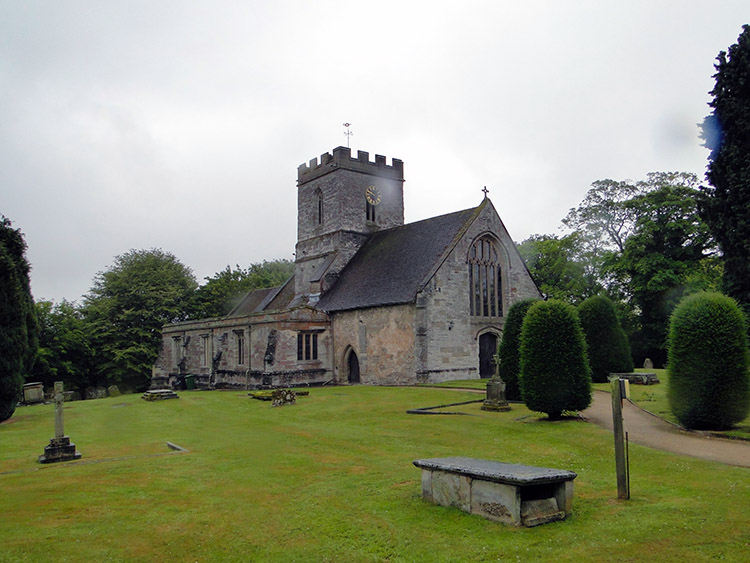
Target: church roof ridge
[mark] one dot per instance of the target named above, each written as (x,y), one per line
(459,234)
(251,301)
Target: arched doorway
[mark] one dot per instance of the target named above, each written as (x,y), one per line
(352,367)
(487,349)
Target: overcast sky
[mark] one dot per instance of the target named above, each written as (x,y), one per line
(180,125)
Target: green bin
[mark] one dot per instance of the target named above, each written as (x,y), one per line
(189,382)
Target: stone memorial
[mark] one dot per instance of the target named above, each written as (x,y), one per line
(496,400)
(71,396)
(60,448)
(521,495)
(33,393)
(283,397)
(638,378)
(648,364)
(95,393)
(159,395)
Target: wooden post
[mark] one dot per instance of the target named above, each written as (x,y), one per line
(623,488)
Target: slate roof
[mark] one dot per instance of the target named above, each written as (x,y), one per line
(393,264)
(283,297)
(252,302)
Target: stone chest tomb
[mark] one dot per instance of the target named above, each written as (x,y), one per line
(521,495)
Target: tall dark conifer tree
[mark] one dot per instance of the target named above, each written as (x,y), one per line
(18,327)
(725,205)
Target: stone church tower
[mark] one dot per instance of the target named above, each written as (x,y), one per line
(341,201)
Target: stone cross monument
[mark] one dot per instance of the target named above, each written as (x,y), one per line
(495,400)
(60,448)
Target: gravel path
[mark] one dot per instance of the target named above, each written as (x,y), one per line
(649,430)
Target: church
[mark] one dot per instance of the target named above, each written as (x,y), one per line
(372,300)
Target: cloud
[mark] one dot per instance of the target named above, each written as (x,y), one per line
(181,124)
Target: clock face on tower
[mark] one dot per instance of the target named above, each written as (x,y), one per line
(372,195)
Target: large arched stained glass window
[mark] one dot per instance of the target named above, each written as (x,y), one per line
(485,278)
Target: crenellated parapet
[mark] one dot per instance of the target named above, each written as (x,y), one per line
(341,159)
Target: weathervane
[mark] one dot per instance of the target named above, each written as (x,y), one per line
(486,191)
(347,133)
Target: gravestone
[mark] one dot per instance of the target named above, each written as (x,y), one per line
(71,396)
(60,448)
(33,393)
(648,364)
(113,391)
(639,378)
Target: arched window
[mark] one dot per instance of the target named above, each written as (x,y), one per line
(370,211)
(485,278)
(319,199)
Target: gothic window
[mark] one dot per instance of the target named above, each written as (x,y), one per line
(240,335)
(485,279)
(319,200)
(205,350)
(307,346)
(177,350)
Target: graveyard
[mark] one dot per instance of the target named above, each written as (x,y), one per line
(331,478)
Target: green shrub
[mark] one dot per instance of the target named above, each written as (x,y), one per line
(509,348)
(607,345)
(555,373)
(709,386)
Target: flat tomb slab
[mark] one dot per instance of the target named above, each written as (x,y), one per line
(638,378)
(521,495)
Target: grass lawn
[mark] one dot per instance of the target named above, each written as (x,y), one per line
(653,398)
(331,479)
(461,384)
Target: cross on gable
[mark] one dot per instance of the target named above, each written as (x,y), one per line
(486,191)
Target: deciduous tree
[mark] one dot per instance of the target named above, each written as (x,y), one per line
(662,256)
(65,352)
(126,309)
(602,215)
(222,292)
(557,267)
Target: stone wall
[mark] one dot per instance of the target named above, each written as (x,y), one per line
(314,255)
(382,338)
(270,350)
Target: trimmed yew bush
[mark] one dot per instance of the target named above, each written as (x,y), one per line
(555,373)
(709,387)
(509,348)
(607,345)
